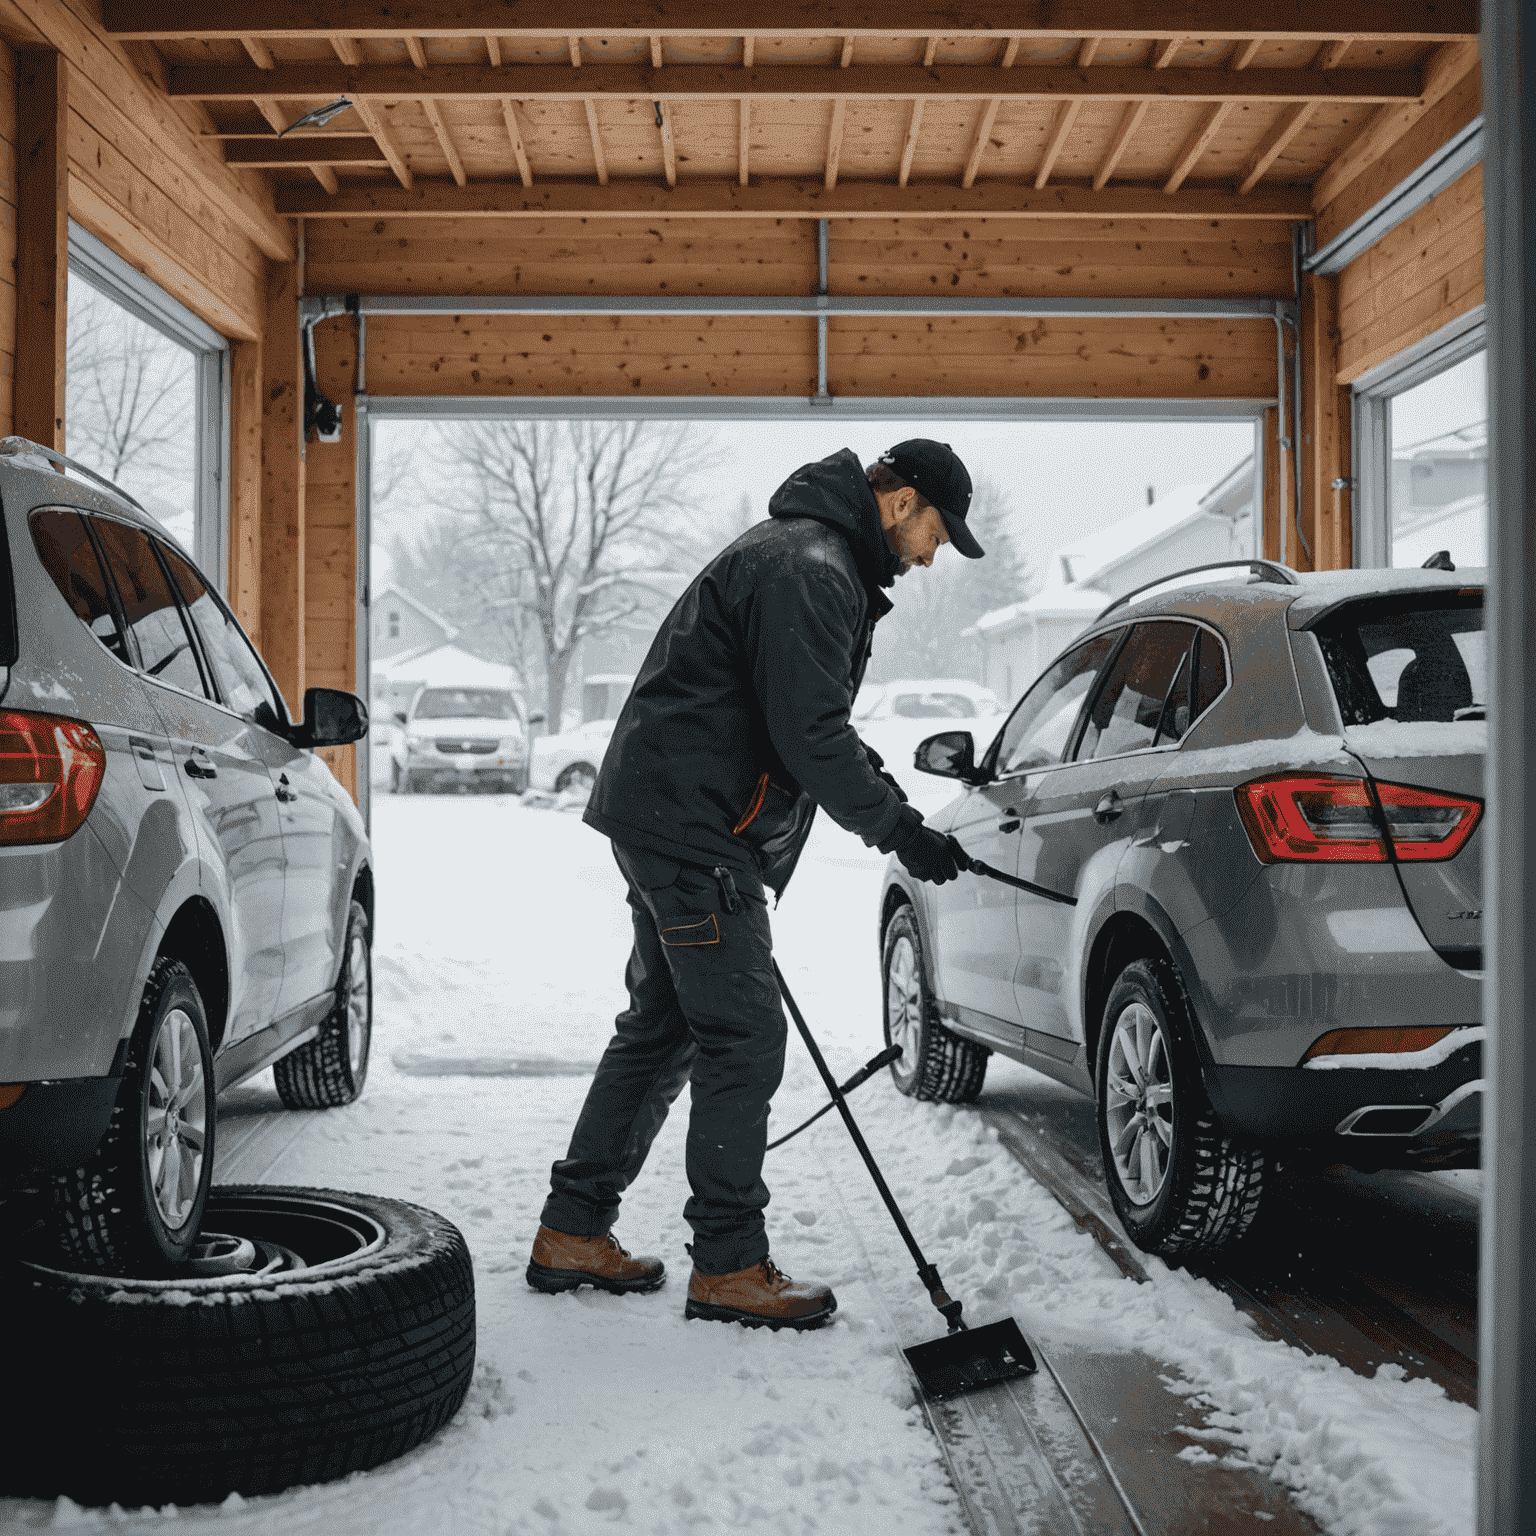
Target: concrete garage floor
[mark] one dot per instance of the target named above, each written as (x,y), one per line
(501,938)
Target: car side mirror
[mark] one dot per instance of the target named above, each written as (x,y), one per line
(949,755)
(399,717)
(332,718)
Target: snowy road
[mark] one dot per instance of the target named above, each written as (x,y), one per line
(501,937)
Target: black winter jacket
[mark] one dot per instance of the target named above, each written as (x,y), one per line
(737,726)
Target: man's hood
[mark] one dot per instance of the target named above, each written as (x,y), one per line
(835,491)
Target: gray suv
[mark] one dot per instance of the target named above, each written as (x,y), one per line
(1247,812)
(185,890)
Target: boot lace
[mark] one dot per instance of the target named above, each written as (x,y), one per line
(609,1238)
(773,1274)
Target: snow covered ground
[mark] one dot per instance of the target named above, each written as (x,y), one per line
(501,938)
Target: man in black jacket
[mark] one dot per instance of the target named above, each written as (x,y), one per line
(735,731)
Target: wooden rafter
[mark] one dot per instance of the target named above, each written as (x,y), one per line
(493,49)
(930,52)
(655,50)
(668,147)
(744,116)
(914,124)
(988,117)
(708,82)
(599,159)
(808,199)
(1199,141)
(1129,123)
(1163,52)
(304,149)
(515,134)
(1299,20)
(1088,52)
(346,49)
(1245,52)
(1290,122)
(260,55)
(444,140)
(835,141)
(326,177)
(1066,116)
(413,46)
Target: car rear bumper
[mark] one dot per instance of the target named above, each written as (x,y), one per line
(1359,1114)
(56,1125)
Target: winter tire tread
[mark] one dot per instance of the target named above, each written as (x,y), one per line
(950,1069)
(318,1075)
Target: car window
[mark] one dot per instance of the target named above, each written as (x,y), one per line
(1038,730)
(1210,673)
(152,612)
(1125,715)
(465,704)
(1409,659)
(241,680)
(69,557)
(933,706)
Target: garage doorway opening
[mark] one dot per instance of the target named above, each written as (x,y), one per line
(517,566)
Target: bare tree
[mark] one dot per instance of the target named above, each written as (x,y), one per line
(562,531)
(129,397)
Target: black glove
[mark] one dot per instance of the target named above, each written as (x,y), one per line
(926,854)
(878,764)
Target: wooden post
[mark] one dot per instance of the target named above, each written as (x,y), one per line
(245,541)
(1269,502)
(42,252)
(1324,430)
(330,535)
(281,631)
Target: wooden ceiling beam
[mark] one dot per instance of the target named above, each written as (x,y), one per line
(493,49)
(1416,20)
(668,147)
(1129,123)
(515,134)
(988,117)
(914,124)
(346,49)
(445,140)
(708,82)
(1199,141)
(1066,116)
(260,55)
(418,53)
(808,199)
(303,149)
(327,178)
(1290,122)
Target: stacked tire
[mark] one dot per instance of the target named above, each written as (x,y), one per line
(300,1369)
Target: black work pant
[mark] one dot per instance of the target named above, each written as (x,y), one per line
(703,1008)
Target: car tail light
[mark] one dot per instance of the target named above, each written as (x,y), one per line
(1373,1042)
(1318,818)
(50,770)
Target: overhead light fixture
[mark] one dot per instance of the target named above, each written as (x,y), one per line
(320,116)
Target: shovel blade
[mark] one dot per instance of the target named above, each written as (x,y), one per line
(975,1357)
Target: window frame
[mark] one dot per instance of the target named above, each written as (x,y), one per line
(104,270)
(1371,408)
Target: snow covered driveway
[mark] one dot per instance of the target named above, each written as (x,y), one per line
(501,938)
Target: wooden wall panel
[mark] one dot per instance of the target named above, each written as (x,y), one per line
(42,255)
(1324,433)
(1452,113)
(330,536)
(1145,258)
(746,356)
(245,380)
(8,227)
(1416,279)
(280,634)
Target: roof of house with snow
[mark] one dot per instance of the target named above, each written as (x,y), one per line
(445,666)
(397,594)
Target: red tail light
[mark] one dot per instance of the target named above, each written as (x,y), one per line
(1316,819)
(50,770)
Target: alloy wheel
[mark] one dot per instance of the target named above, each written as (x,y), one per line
(359,1003)
(1138,1103)
(175,1119)
(904,1003)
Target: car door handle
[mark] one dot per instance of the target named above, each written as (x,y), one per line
(1108,808)
(284,794)
(200,767)
(1010,825)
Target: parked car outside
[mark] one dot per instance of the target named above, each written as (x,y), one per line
(1251,812)
(186,892)
(460,738)
(570,760)
(894,717)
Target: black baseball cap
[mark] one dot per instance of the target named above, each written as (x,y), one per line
(935,472)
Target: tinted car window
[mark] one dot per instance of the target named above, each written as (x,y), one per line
(1038,730)
(241,680)
(1129,708)
(154,618)
(1420,658)
(69,557)
(1210,673)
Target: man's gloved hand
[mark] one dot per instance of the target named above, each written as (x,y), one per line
(878,764)
(924,853)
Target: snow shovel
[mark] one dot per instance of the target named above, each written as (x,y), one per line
(965,1358)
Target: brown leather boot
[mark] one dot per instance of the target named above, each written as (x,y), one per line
(761,1297)
(562,1262)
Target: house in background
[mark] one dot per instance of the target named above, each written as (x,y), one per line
(1194,525)
(402,624)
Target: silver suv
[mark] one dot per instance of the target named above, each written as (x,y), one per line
(1248,814)
(185,890)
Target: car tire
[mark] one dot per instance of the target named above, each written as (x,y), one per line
(330,1070)
(576,776)
(1182,1187)
(246,1380)
(394,778)
(936,1064)
(134,1206)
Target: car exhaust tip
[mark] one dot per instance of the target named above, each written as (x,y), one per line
(1387,1120)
